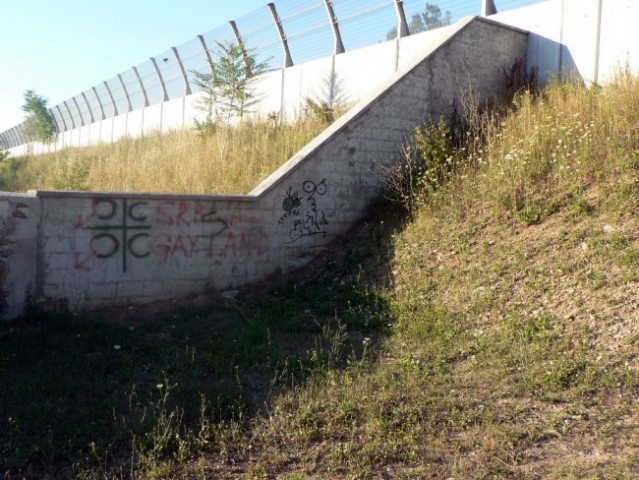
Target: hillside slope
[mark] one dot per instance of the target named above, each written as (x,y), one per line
(491,334)
(512,349)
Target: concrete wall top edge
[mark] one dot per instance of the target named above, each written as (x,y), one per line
(29,194)
(360,108)
(145,196)
(503,25)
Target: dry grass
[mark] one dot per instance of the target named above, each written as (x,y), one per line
(502,345)
(512,351)
(231,161)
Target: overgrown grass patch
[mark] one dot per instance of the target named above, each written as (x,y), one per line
(480,340)
(229,161)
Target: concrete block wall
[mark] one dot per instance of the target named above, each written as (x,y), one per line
(93,249)
(19,228)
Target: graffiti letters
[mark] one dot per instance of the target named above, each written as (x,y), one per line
(135,230)
(303,216)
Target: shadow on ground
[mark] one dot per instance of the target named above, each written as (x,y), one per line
(80,392)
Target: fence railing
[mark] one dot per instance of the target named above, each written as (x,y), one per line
(280,34)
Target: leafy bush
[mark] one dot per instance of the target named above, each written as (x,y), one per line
(330,99)
(429,159)
(39,123)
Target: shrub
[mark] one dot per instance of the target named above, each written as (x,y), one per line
(429,159)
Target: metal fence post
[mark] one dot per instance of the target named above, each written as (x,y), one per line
(97,97)
(57,125)
(187,91)
(62,117)
(77,107)
(598,42)
(90,114)
(339,45)
(21,137)
(69,112)
(488,8)
(206,51)
(165,98)
(240,43)
(88,107)
(126,92)
(402,24)
(115,107)
(288,60)
(13,140)
(146,98)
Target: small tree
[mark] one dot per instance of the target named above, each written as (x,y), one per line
(228,92)
(39,123)
(431,18)
(331,97)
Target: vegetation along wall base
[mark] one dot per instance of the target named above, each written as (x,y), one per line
(98,249)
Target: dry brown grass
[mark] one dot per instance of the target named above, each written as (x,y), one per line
(503,345)
(231,161)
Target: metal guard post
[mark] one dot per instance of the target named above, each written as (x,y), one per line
(339,45)
(288,60)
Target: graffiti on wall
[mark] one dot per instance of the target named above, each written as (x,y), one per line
(130,230)
(118,228)
(302,214)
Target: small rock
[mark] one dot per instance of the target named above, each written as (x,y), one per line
(229,294)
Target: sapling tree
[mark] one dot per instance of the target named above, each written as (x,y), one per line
(39,123)
(331,97)
(228,90)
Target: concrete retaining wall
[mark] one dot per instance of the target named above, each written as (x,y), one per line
(92,249)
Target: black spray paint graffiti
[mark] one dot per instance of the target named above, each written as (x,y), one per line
(122,232)
(124,228)
(306,219)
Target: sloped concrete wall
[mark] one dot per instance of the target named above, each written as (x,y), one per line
(102,249)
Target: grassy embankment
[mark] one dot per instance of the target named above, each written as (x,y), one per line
(494,335)
(229,162)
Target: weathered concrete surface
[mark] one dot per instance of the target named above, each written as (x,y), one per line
(19,220)
(102,249)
